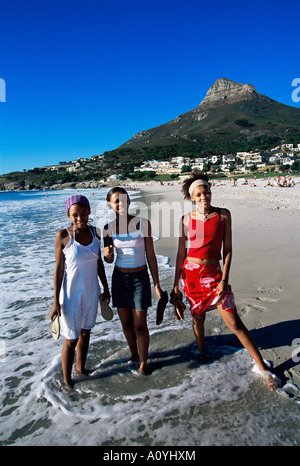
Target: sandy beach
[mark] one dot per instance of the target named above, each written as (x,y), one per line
(264,276)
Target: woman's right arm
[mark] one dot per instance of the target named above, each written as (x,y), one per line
(180,258)
(58,273)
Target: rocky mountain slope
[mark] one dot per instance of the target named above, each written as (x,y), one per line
(232,116)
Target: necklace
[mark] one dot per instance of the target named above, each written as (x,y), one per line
(205,214)
(81,231)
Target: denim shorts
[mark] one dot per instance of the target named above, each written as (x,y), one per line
(131,289)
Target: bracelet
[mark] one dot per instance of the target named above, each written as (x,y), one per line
(225,281)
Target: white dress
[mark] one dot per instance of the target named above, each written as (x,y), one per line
(79,294)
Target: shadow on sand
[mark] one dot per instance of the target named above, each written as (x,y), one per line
(271,337)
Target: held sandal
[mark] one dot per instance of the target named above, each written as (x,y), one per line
(161,306)
(179,306)
(106,310)
(55,327)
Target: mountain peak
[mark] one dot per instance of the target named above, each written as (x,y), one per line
(225,89)
(212,126)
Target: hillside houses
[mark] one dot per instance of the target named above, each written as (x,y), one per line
(74,165)
(240,162)
(70,166)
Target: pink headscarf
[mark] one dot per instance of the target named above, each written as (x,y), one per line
(77,199)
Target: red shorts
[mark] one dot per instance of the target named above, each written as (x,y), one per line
(199,283)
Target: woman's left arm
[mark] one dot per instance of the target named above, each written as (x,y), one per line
(102,274)
(227,250)
(151,257)
(227,244)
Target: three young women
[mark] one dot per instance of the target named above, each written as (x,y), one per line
(205,284)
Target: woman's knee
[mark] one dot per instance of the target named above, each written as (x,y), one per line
(126,319)
(199,319)
(234,322)
(70,344)
(85,333)
(127,324)
(141,329)
(127,327)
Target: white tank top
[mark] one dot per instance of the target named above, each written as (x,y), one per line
(130,248)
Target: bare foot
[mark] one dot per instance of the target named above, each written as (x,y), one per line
(82,373)
(134,358)
(273,382)
(68,386)
(143,369)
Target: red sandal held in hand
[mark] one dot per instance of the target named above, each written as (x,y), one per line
(179,306)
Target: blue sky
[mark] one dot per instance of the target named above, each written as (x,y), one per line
(83,76)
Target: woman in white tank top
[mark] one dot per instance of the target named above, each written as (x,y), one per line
(131,239)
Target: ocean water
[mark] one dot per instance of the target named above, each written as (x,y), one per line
(181,403)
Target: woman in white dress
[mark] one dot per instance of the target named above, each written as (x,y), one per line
(76,285)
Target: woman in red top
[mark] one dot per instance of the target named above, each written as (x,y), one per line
(206,286)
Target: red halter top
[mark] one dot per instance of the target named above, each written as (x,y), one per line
(206,237)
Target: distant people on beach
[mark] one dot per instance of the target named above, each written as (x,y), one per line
(281,182)
(76,285)
(204,283)
(131,238)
